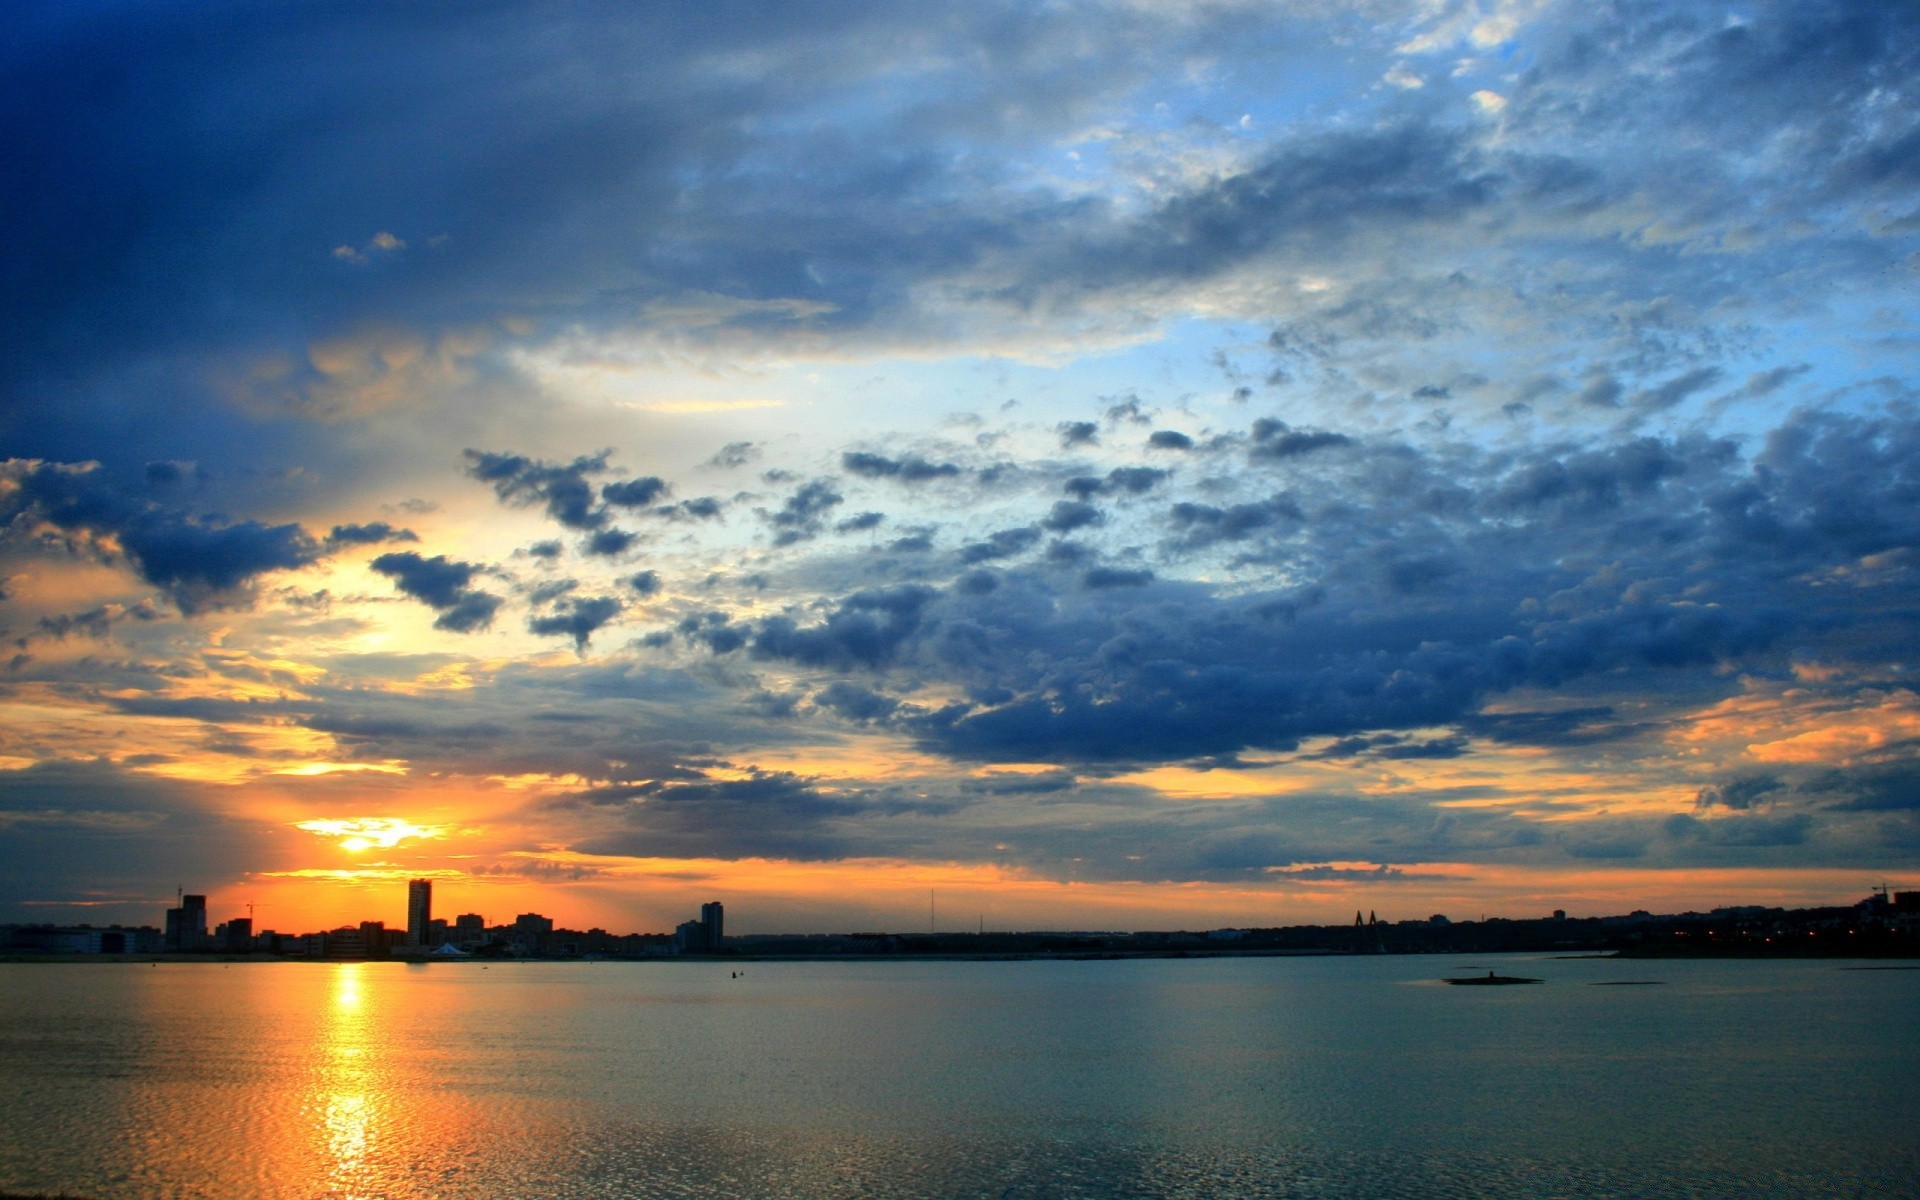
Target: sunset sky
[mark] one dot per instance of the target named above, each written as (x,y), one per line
(1108,465)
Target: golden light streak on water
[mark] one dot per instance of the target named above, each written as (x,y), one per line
(348,1089)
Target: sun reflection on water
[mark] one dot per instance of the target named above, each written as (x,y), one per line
(347,1087)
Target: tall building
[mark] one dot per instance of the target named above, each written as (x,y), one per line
(187,925)
(690,937)
(419,911)
(713,924)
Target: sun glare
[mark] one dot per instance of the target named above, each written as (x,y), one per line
(358,834)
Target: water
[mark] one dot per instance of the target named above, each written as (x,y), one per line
(1203,1077)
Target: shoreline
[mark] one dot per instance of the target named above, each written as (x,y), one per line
(1635,954)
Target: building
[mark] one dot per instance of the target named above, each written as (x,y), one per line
(419,911)
(239,936)
(531,932)
(346,942)
(469,930)
(704,936)
(187,924)
(83,939)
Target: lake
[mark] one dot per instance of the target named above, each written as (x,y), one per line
(1241,1077)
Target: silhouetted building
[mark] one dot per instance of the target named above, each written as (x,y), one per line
(346,942)
(377,938)
(690,937)
(469,929)
(187,925)
(713,921)
(239,939)
(419,910)
(531,932)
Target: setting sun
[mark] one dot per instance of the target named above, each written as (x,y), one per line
(357,834)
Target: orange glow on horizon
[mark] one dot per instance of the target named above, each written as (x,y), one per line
(359,834)
(644,895)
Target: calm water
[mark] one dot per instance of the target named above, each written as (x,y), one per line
(1205,1077)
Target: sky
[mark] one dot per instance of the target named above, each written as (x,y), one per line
(1098,465)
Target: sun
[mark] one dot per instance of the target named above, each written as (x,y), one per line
(360,834)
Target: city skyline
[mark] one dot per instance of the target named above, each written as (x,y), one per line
(1112,465)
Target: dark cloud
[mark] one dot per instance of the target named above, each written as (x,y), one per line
(578,619)
(864,630)
(564,491)
(700,508)
(201,561)
(371,534)
(441,583)
(1198,526)
(912,469)
(860,521)
(732,455)
(1740,794)
(646,583)
(773,814)
(114,839)
(610,542)
(1274,439)
(803,515)
(1069,515)
(854,702)
(1169,439)
(1004,543)
(550,591)
(1077,433)
(1115,577)
(94,623)
(1133,481)
(634,493)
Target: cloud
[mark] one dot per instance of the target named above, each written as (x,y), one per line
(911,469)
(202,561)
(773,814)
(113,839)
(609,542)
(1275,439)
(804,513)
(578,619)
(863,630)
(733,455)
(1078,433)
(1114,577)
(634,493)
(1003,543)
(646,583)
(564,491)
(1198,526)
(1069,515)
(441,583)
(370,534)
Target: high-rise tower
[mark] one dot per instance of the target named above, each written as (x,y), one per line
(419,910)
(712,924)
(187,924)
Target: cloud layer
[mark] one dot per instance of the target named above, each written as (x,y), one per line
(1341,447)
